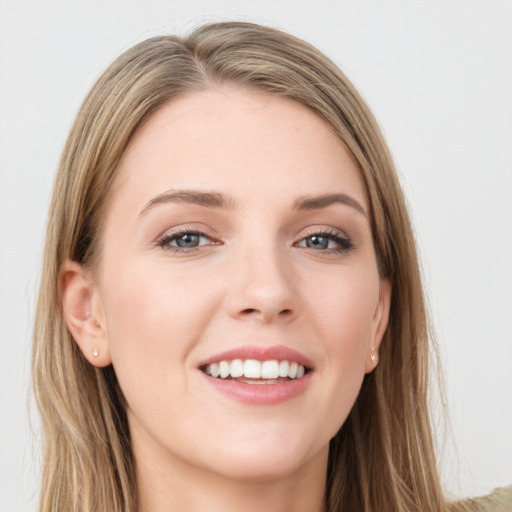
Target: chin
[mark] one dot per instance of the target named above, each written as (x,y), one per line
(264,462)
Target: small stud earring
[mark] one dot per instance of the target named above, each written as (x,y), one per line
(373,356)
(95,352)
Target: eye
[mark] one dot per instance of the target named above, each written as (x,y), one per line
(184,241)
(326,242)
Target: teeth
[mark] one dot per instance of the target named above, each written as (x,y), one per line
(252,369)
(224,369)
(237,368)
(283,368)
(269,371)
(214,370)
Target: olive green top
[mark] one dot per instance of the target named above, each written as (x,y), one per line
(500,500)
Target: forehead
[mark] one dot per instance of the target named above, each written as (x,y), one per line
(244,143)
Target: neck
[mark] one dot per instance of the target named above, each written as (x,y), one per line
(169,486)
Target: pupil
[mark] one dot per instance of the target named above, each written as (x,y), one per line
(188,240)
(317,242)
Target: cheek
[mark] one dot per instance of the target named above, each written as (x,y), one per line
(153,319)
(149,304)
(345,327)
(345,306)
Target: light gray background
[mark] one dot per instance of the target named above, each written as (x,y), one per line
(438,75)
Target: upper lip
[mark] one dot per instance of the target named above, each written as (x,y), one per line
(260,353)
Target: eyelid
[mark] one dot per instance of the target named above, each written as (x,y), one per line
(185,228)
(174,233)
(337,235)
(326,230)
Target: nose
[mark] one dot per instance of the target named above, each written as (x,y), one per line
(262,287)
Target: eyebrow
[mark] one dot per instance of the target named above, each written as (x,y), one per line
(325,200)
(217,200)
(197,197)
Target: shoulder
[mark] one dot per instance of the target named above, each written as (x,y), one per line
(500,500)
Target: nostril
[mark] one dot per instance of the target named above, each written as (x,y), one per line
(284,312)
(266,314)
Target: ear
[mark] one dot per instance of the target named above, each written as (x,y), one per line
(380,323)
(83,313)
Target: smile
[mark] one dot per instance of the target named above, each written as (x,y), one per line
(252,371)
(257,375)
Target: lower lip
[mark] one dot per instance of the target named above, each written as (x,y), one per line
(260,394)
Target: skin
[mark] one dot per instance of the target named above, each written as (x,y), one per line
(254,278)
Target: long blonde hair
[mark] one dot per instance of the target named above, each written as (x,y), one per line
(386,440)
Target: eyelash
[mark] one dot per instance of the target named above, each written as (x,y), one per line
(165,240)
(344,244)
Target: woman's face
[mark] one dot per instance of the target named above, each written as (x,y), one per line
(238,230)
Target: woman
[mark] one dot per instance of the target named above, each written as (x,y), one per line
(232,313)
